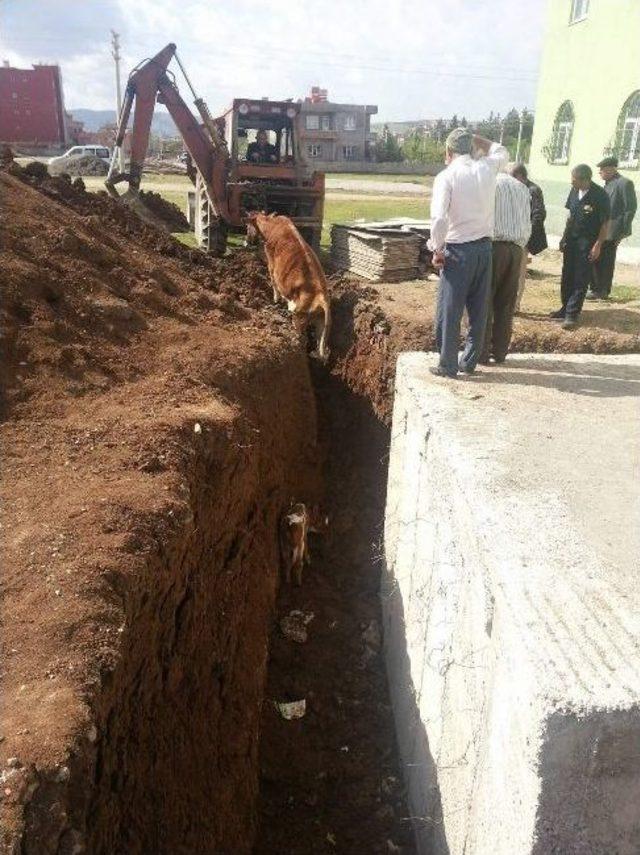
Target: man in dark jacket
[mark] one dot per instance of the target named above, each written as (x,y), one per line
(581,244)
(624,204)
(538,239)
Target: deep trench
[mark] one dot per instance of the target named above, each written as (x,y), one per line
(331,782)
(192,755)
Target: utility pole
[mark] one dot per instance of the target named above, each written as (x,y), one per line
(115,53)
(520,124)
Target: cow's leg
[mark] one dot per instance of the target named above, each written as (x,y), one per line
(270,267)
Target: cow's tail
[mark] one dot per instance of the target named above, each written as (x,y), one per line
(325,328)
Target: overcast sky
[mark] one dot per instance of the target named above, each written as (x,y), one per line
(413,59)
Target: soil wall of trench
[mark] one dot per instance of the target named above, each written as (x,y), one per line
(167,761)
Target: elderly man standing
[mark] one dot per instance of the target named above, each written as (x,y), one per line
(462,210)
(512,229)
(581,244)
(624,204)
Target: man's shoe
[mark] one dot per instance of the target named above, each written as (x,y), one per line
(569,324)
(465,368)
(437,371)
(557,316)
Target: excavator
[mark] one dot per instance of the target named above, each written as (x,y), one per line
(227,184)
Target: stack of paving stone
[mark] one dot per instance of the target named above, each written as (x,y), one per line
(380,252)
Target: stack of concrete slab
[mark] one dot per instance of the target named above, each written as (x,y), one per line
(512,607)
(380,252)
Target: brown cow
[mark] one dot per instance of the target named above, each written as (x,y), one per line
(296,274)
(295,526)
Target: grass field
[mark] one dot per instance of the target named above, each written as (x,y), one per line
(338,210)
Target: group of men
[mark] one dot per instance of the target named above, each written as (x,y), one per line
(485,221)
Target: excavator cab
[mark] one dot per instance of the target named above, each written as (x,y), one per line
(282,184)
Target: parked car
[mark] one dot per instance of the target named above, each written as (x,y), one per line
(100,151)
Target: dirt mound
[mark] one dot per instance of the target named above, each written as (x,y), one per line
(81,283)
(169,213)
(36,170)
(78,165)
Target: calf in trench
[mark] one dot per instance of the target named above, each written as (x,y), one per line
(296,274)
(295,526)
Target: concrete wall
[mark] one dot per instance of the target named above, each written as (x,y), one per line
(594,64)
(511,606)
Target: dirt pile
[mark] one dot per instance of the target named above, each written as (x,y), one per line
(78,165)
(74,195)
(81,283)
(164,167)
(169,213)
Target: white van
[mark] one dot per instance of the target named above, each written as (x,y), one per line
(100,151)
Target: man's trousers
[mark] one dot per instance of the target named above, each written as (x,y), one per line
(603,269)
(464,283)
(507,263)
(577,271)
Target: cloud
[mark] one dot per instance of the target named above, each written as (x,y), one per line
(413,60)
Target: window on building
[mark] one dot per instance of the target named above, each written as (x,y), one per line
(350,152)
(349,122)
(627,145)
(312,122)
(325,123)
(560,146)
(314,150)
(579,10)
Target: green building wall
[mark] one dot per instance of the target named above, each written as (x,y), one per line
(595,64)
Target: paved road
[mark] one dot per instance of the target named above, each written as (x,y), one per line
(381,188)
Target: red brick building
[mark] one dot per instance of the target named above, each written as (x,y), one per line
(32,111)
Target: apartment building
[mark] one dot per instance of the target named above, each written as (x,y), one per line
(336,132)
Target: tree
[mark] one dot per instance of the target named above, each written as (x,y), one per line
(387,148)
(420,148)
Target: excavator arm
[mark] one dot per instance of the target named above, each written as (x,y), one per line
(151,82)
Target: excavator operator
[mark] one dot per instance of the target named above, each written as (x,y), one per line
(262,151)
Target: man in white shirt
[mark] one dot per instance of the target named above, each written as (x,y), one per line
(511,231)
(462,211)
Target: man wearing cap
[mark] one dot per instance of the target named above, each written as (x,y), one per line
(581,243)
(622,195)
(462,212)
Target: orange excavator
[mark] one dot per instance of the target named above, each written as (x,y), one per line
(228,184)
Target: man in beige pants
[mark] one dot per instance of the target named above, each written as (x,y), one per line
(512,228)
